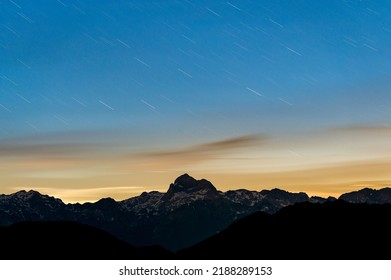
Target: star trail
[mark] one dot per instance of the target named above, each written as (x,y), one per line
(118,97)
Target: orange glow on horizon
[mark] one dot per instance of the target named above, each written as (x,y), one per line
(325,163)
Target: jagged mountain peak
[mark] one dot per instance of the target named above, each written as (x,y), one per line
(31,195)
(368,195)
(187,184)
(27,194)
(185,179)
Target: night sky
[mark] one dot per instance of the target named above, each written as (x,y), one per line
(112,98)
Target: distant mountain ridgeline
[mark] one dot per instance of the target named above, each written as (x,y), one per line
(189,212)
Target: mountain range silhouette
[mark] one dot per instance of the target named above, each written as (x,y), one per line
(196,221)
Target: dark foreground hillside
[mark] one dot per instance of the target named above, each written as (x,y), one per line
(68,240)
(332,230)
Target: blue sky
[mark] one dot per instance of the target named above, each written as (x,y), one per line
(161,77)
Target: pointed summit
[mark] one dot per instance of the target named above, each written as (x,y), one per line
(185,180)
(188,185)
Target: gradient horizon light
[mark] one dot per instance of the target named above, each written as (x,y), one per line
(103,98)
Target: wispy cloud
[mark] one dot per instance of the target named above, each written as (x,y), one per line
(44,150)
(197,153)
(213,147)
(76,144)
(332,160)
